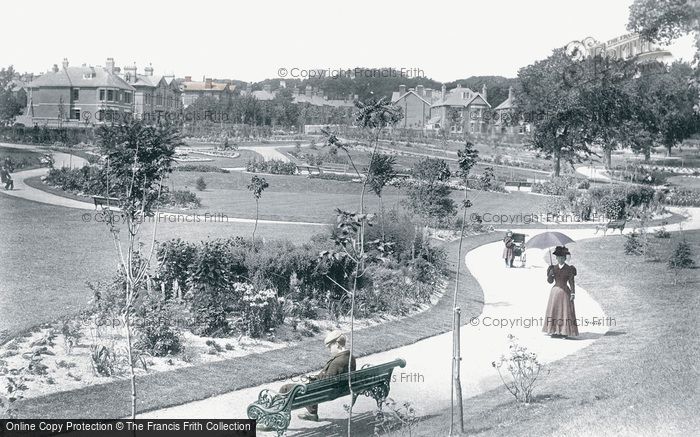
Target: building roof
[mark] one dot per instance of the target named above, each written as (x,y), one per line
(202,86)
(86,77)
(396,99)
(317,100)
(507,104)
(461,97)
(263,94)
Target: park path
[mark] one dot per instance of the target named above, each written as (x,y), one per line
(24,191)
(593,173)
(514,303)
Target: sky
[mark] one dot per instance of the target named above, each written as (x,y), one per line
(254,40)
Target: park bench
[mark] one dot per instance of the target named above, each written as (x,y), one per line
(612,224)
(105,201)
(274,409)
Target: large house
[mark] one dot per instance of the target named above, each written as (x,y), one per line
(454,110)
(154,95)
(69,96)
(192,90)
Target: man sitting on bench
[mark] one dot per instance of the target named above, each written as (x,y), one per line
(337,365)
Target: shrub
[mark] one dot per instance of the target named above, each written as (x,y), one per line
(612,207)
(634,244)
(261,310)
(202,168)
(334,177)
(200,184)
(156,332)
(557,186)
(181,198)
(273,166)
(523,367)
(682,197)
(682,257)
(487,181)
(103,360)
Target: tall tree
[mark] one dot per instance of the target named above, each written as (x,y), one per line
(549,100)
(10,107)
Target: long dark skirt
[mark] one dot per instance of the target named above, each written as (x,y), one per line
(560,318)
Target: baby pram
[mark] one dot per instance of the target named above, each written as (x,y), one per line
(519,248)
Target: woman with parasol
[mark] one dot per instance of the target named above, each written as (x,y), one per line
(560,318)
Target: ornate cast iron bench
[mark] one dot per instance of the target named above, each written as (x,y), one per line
(274,409)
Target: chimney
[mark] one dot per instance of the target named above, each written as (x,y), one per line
(148,70)
(402,90)
(55,68)
(295,91)
(249,87)
(65,63)
(510,93)
(188,78)
(484,92)
(442,91)
(283,84)
(420,90)
(207,83)
(429,93)
(109,65)
(130,73)
(308,91)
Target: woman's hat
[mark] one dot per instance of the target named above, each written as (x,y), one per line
(561,251)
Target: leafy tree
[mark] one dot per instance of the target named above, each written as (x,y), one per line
(9,105)
(200,184)
(138,157)
(553,105)
(256,186)
(664,21)
(380,172)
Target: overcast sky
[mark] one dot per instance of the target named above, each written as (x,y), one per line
(252,40)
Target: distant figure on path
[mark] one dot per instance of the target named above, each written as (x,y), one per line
(508,254)
(337,365)
(560,319)
(6,178)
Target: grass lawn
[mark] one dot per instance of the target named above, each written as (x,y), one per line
(641,378)
(22,159)
(298,198)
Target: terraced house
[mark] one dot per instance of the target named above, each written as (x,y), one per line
(154,95)
(77,96)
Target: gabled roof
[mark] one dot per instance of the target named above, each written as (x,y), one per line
(201,86)
(506,104)
(87,77)
(406,94)
(461,97)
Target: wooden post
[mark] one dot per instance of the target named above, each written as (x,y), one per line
(456,365)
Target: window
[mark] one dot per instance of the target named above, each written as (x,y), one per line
(102,95)
(110,95)
(75,114)
(127,97)
(75,95)
(119,96)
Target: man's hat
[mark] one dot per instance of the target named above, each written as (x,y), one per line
(561,251)
(332,336)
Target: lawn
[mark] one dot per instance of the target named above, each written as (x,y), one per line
(298,198)
(22,159)
(641,378)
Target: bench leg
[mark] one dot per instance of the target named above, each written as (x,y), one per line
(278,421)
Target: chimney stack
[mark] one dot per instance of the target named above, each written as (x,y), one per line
(249,87)
(65,63)
(443,90)
(308,91)
(484,92)
(283,84)
(148,70)
(130,73)
(55,68)
(420,90)
(188,78)
(402,90)
(109,65)
(510,93)
(207,83)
